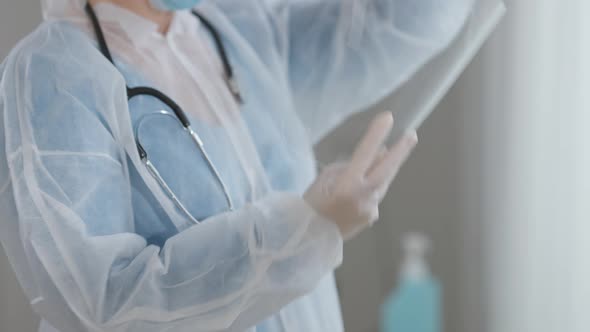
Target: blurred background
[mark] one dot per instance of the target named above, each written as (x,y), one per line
(500,183)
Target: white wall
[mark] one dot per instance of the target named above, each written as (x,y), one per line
(535,191)
(17,18)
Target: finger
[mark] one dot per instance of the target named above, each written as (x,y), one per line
(365,153)
(380,156)
(386,170)
(335,167)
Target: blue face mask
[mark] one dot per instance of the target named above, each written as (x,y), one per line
(170,5)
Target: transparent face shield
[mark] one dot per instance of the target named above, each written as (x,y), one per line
(416,99)
(419,96)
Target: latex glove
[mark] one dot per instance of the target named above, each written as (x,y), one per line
(349,193)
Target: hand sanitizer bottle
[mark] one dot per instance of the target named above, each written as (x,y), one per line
(415,305)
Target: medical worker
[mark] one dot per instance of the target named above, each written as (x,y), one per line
(156,158)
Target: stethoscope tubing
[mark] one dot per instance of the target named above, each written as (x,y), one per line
(179,114)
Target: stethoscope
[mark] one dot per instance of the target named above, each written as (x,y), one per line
(177,113)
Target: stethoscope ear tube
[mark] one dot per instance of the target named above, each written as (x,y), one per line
(102,43)
(230,78)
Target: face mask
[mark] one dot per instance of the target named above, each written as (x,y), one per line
(171,5)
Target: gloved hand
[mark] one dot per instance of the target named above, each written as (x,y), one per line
(349,193)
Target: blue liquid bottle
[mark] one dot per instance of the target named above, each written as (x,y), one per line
(415,305)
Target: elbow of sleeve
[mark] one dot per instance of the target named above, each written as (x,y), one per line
(274,251)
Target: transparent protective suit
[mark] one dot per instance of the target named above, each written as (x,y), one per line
(95,241)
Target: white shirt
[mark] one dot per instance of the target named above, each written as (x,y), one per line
(180,63)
